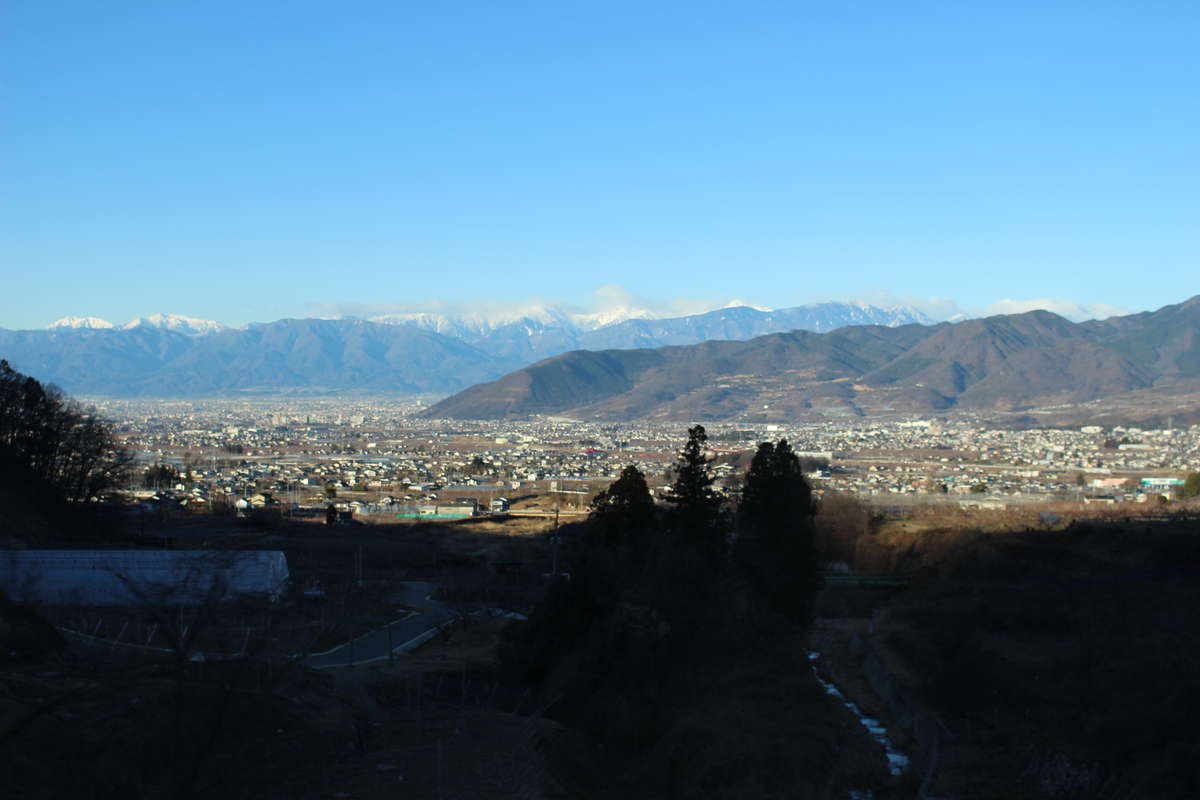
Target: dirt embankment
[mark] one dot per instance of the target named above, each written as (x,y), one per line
(1059,663)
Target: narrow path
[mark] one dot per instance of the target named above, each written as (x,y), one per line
(395,637)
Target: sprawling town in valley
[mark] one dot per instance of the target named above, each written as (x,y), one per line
(376,460)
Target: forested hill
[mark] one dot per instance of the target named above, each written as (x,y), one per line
(996,363)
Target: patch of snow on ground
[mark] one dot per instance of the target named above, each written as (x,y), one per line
(897,761)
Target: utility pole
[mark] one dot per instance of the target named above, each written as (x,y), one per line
(555,538)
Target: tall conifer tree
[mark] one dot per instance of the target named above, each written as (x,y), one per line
(776,529)
(697,504)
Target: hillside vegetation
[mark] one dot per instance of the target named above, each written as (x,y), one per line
(1058,663)
(1001,363)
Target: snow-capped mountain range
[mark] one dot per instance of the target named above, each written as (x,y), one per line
(417,352)
(538,319)
(824,316)
(189,326)
(477,325)
(78,323)
(534,332)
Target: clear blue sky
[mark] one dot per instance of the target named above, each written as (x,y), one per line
(251,160)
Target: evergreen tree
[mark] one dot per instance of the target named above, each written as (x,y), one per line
(775,494)
(625,509)
(776,541)
(697,505)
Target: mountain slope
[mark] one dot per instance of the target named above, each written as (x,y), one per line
(546,331)
(178,323)
(1004,362)
(93,360)
(744,322)
(1166,340)
(561,382)
(310,354)
(325,355)
(80,322)
(169,354)
(726,374)
(1012,359)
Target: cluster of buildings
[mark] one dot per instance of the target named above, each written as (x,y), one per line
(374,457)
(1088,464)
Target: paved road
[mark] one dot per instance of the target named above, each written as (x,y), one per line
(400,636)
(551,513)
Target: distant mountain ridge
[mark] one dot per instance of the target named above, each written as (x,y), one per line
(744,322)
(172,322)
(288,355)
(189,326)
(174,355)
(80,322)
(537,332)
(1006,362)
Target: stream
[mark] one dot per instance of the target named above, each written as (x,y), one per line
(897,761)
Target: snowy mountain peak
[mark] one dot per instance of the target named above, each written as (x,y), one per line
(744,304)
(541,313)
(827,316)
(537,319)
(611,316)
(80,322)
(189,326)
(460,326)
